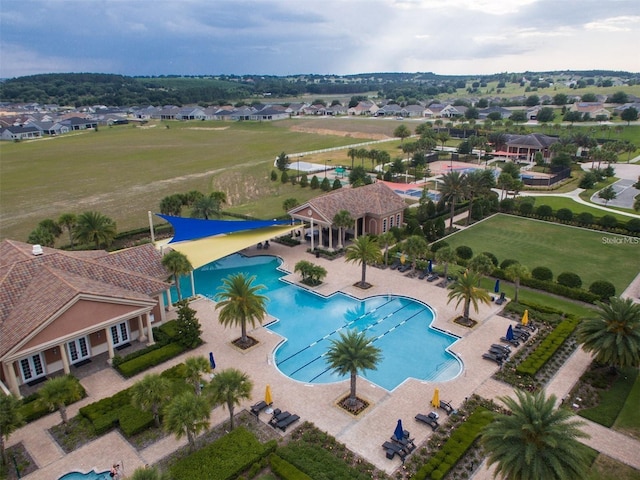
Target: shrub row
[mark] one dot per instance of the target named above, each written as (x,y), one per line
(224,459)
(129,368)
(285,470)
(552,287)
(456,446)
(541,313)
(543,352)
(31,409)
(318,462)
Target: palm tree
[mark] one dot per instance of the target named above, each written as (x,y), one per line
(229,387)
(352,153)
(342,220)
(415,246)
(68,222)
(443,138)
(187,414)
(364,250)
(614,335)
(178,264)
(239,302)
(149,473)
(206,207)
(385,239)
(452,190)
(194,368)
(150,394)
(535,440)
(475,184)
(10,420)
(445,255)
(515,272)
(402,132)
(353,353)
(95,227)
(58,392)
(465,289)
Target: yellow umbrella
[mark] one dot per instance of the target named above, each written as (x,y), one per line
(435,401)
(267,396)
(525,317)
(403,259)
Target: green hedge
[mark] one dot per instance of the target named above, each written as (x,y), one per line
(552,287)
(456,446)
(133,421)
(129,368)
(224,459)
(285,470)
(543,352)
(318,463)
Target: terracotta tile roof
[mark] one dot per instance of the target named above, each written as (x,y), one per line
(376,200)
(34,288)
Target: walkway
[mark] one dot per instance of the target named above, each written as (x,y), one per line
(316,403)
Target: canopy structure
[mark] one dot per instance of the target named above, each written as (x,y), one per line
(194,228)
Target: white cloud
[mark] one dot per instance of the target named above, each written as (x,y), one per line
(615,24)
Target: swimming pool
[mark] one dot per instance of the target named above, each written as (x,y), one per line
(399,325)
(92,475)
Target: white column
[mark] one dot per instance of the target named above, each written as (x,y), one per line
(141,336)
(193,284)
(153,236)
(149,330)
(10,375)
(65,358)
(331,237)
(312,236)
(109,344)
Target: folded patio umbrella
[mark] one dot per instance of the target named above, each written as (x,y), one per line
(496,288)
(525,317)
(509,335)
(435,401)
(430,266)
(267,395)
(212,361)
(399,431)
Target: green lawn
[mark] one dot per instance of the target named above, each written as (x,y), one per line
(562,202)
(558,247)
(606,468)
(628,420)
(613,400)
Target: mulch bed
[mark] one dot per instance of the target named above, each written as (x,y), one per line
(359,407)
(465,323)
(18,456)
(251,342)
(363,286)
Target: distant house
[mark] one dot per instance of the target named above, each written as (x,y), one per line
(363,108)
(413,111)
(594,109)
(375,209)
(59,309)
(485,112)
(269,113)
(389,110)
(79,123)
(191,113)
(17,133)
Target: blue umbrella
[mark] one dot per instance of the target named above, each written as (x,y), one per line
(399,431)
(212,362)
(509,333)
(496,289)
(430,267)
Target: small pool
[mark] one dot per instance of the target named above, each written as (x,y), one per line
(400,326)
(92,475)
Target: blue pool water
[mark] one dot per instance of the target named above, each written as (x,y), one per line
(308,321)
(92,475)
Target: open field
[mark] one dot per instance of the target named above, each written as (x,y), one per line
(558,247)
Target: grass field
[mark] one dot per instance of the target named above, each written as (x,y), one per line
(628,420)
(558,247)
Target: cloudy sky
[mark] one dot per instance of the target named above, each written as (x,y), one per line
(281,37)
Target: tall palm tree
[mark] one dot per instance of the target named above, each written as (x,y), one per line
(364,250)
(535,441)
(206,207)
(352,153)
(443,138)
(229,387)
(415,246)
(475,184)
(56,393)
(150,394)
(453,190)
(342,220)
(194,368)
(386,239)
(465,289)
(68,222)
(10,420)
(614,335)
(354,352)
(515,272)
(187,414)
(178,264)
(239,302)
(94,227)
(445,255)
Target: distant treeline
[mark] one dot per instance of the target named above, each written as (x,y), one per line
(78,89)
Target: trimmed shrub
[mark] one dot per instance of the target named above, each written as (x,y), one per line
(507,205)
(542,273)
(584,218)
(608,221)
(564,215)
(603,289)
(633,225)
(544,211)
(569,279)
(464,252)
(526,208)
(132,367)
(507,262)
(491,257)
(133,421)
(285,470)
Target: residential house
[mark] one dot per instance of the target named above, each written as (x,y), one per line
(191,113)
(276,112)
(59,309)
(79,123)
(594,109)
(485,112)
(363,108)
(414,111)
(17,133)
(389,110)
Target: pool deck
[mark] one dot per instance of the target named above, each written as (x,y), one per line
(317,403)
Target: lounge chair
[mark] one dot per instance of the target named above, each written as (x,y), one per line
(278,417)
(283,424)
(394,449)
(501,299)
(258,407)
(395,264)
(514,341)
(404,268)
(504,348)
(446,406)
(259,246)
(406,443)
(423,273)
(492,357)
(498,352)
(433,277)
(432,422)
(266,245)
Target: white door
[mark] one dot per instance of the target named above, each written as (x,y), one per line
(32,367)
(119,334)
(78,350)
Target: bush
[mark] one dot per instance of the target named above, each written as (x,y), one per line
(464,252)
(133,420)
(491,257)
(564,215)
(608,221)
(544,211)
(569,279)
(548,347)
(584,218)
(274,176)
(633,225)
(156,357)
(285,470)
(542,273)
(438,245)
(603,289)
(507,205)
(507,263)
(526,208)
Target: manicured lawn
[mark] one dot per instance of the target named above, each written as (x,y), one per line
(606,468)
(561,248)
(613,400)
(557,203)
(628,420)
